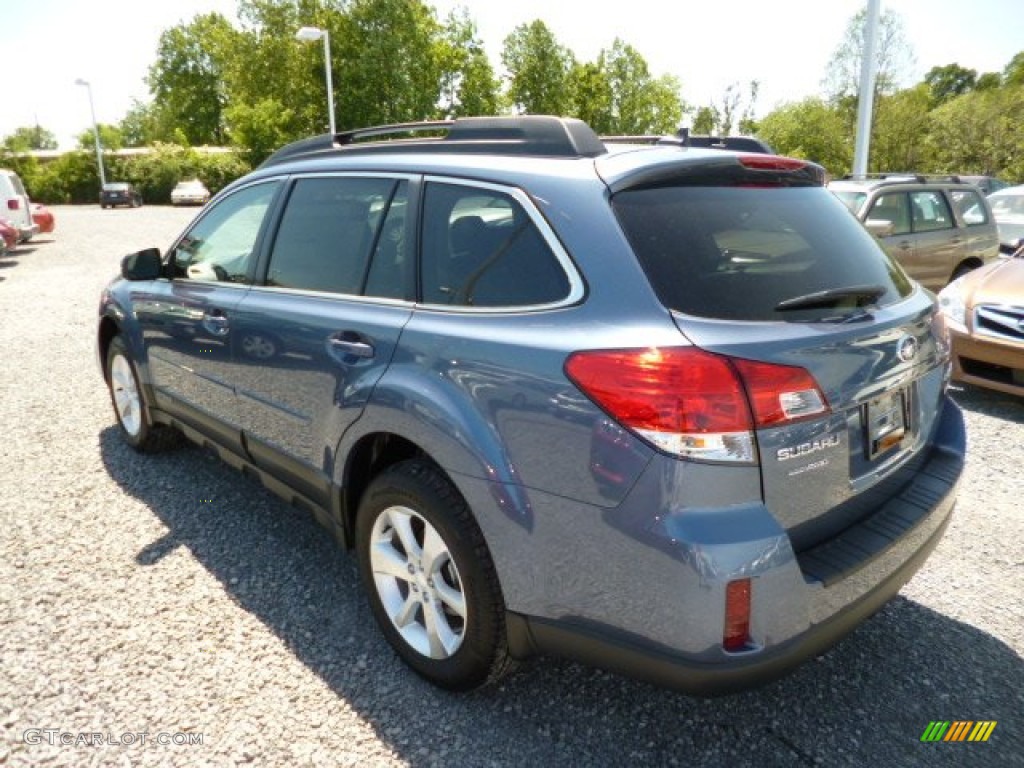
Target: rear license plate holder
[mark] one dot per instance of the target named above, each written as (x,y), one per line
(885,423)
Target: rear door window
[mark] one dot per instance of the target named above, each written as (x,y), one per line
(481,249)
(736,252)
(930,211)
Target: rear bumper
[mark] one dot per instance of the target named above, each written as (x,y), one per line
(803,604)
(27,233)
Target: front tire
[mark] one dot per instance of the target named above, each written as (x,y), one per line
(430,580)
(137,429)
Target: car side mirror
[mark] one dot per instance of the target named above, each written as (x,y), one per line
(880,227)
(142,265)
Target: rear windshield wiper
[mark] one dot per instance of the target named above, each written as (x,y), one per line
(864,294)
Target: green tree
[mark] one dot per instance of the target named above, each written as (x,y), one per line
(139,126)
(979,133)
(705,122)
(987,81)
(1014,72)
(28,138)
(893,57)
(640,103)
(591,96)
(468,84)
(392,71)
(267,62)
(811,129)
(538,70)
(260,129)
(900,135)
(949,81)
(110,138)
(188,77)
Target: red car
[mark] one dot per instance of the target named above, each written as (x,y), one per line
(9,234)
(43,216)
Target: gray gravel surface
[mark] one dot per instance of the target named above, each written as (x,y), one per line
(169,595)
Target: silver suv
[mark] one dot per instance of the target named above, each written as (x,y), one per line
(937,228)
(15,206)
(664,409)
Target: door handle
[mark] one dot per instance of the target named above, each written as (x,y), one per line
(216,322)
(351,347)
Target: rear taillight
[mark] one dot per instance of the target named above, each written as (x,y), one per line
(736,629)
(780,393)
(13,204)
(693,403)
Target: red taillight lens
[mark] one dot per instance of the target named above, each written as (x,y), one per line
(675,389)
(693,403)
(736,632)
(780,393)
(13,204)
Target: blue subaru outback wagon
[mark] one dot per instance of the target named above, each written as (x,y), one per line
(665,410)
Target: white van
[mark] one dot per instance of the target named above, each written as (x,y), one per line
(15,205)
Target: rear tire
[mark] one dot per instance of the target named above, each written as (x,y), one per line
(430,580)
(962,270)
(137,428)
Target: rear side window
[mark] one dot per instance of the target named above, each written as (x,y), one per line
(969,205)
(327,233)
(481,249)
(735,253)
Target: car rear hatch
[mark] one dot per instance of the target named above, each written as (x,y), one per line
(833,346)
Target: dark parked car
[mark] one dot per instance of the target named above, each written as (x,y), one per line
(118,193)
(987,184)
(667,410)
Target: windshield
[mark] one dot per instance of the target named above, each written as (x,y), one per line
(737,253)
(852,200)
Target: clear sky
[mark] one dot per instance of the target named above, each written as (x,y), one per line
(45,45)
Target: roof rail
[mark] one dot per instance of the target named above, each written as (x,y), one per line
(536,135)
(920,178)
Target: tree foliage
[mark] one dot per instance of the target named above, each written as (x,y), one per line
(468,84)
(811,129)
(949,82)
(28,138)
(110,138)
(539,68)
(391,63)
(188,79)
(893,57)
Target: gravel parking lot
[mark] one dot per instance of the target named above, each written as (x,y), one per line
(169,596)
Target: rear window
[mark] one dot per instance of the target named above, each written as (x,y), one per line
(735,253)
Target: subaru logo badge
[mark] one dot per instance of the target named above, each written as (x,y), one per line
(906,348)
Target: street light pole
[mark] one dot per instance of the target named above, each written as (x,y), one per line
(866,98)
(95,131)
(310,34)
